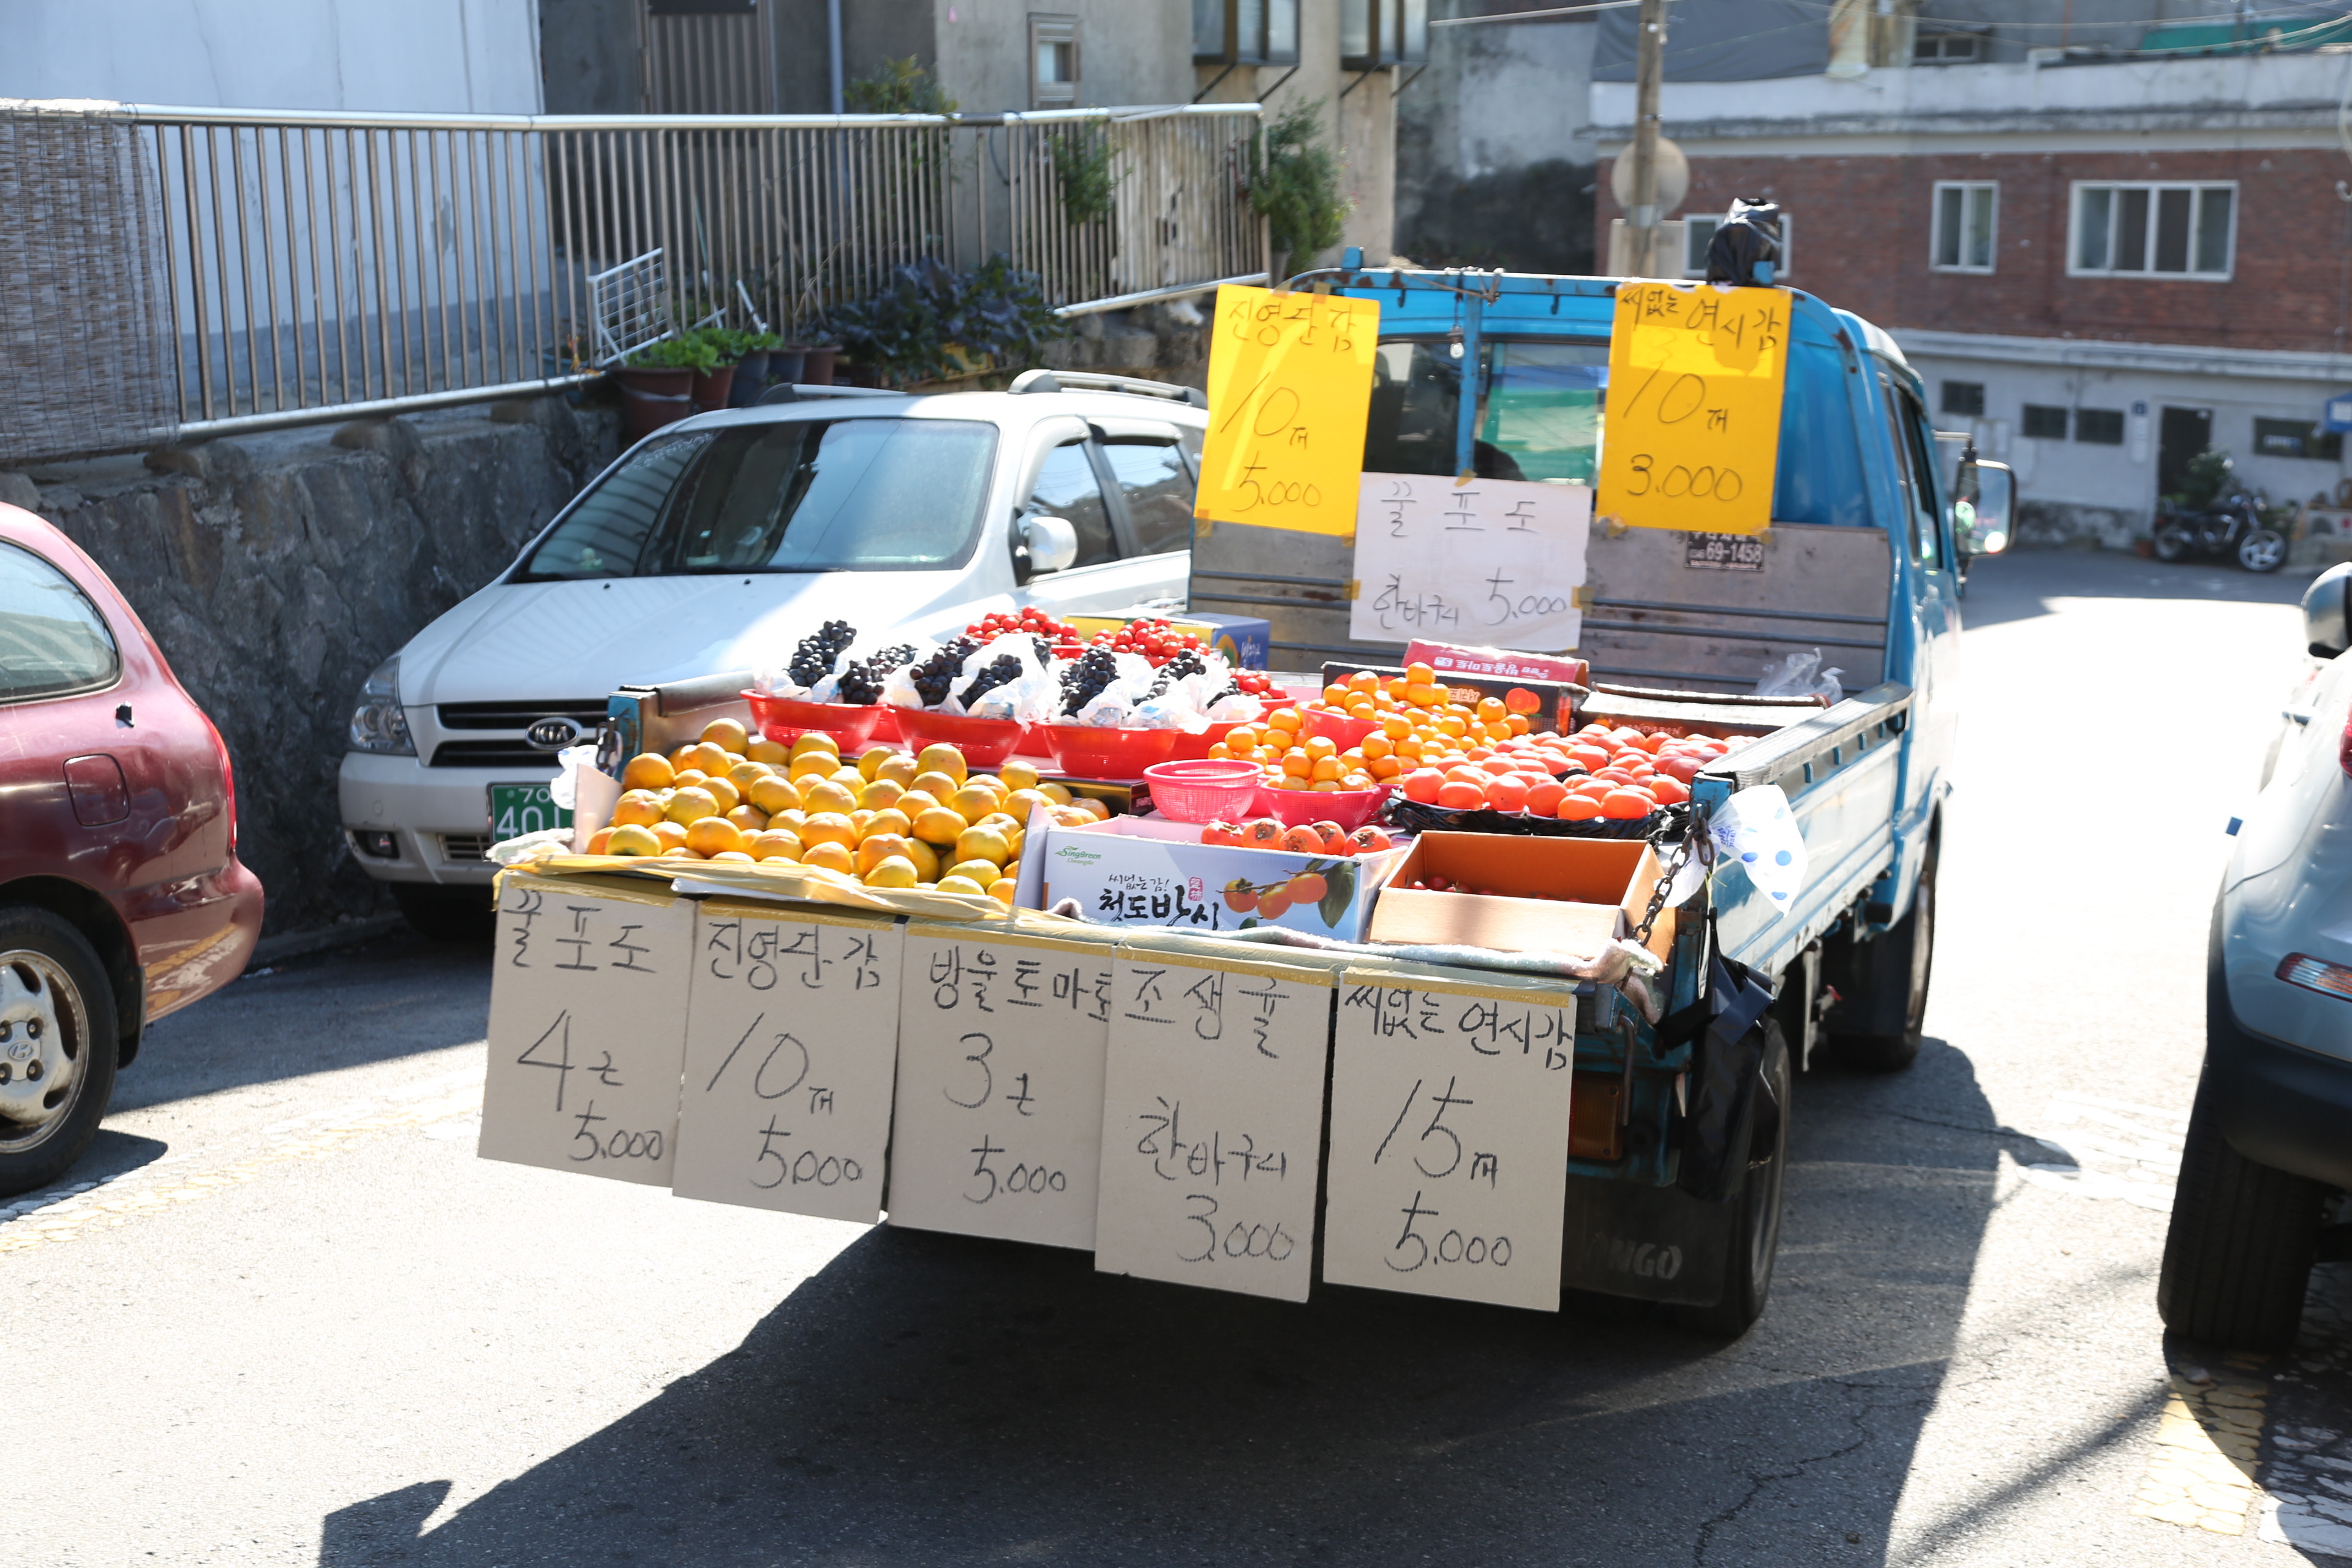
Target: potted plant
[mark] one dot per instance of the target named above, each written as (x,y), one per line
(756,354)
(714,381)
(657,383)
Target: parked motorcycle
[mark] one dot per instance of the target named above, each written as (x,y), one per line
(2231,527)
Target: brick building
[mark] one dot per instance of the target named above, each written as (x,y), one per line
(2099,264)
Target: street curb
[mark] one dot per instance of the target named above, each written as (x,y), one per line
(272,949)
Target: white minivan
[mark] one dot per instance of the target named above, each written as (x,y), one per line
(716,543)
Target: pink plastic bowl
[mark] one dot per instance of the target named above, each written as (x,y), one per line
(1350,808)
(1202,790)
(1087,753)
(783,721)
(984,742)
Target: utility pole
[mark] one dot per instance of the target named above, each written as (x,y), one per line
(1642,223)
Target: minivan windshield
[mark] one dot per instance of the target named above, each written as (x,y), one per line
(803,495)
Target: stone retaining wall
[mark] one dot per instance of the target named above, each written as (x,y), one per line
(276,570)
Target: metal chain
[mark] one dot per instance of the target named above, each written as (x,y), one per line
(1694,842)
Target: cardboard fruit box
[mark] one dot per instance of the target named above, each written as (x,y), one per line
(1537,895)
(1134,871)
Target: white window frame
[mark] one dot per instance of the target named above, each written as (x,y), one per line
(1049,30)
(1780,270)
(1936,226)
(2074,202)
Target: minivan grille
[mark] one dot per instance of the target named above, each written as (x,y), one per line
(519,715)
(469,848)
(528,760)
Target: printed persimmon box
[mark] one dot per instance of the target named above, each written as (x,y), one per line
(1133,871)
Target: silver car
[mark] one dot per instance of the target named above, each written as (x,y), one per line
(714,544)
(2269,1150)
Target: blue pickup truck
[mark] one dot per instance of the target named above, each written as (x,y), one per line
(1505,376)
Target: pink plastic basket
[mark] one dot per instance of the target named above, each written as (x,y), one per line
(1208,789)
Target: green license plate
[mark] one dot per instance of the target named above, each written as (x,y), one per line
(519,809)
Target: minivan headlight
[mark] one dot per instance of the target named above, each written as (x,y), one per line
(378,722)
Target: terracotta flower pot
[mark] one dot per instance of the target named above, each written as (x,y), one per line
(710,389)
(652,396)
(817,365)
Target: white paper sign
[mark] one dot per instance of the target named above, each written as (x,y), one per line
(790,1046)
(1490,561)
(588,997)
(1448,1168)
(997,1128)
(1212,1120)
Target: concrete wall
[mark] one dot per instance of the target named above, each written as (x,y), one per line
(1495,148)
(430,56)
(276,570)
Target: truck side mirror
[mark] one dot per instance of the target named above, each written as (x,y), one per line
(2327,612)
(1051,542)
(1995,499)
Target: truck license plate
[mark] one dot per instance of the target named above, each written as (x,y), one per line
(519,809)
(1724,552)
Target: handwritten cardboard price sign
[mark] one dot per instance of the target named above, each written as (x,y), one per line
(588,998)
(790,1045)
(1449,1136)
(1493,562)
(998,1124)
(1212,1116)
(1696,375)
(1290,388)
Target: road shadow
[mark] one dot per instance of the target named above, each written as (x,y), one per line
(928,1399)
(396,995)
(2020,585)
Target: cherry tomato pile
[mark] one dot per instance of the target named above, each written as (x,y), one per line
(1156,639)
(1306,838)
(1061,634)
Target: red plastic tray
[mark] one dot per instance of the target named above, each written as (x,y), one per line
(984,742)
(1085,752)
(784,721)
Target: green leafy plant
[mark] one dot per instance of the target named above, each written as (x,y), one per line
(1085,162)
(1292,181)
(901,87)
(912,329)
(690,351)
(2207,475)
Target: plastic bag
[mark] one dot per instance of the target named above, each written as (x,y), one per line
(1002,698)
(1756,831)
(898,686)
(1801,675)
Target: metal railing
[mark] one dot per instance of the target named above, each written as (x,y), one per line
(306,267)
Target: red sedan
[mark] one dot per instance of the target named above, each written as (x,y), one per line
(122,896)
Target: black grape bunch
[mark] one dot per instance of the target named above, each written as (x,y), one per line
(813,659)
(936,674)
(1188,662)
(1000,670)
(1084,680)
(861,679)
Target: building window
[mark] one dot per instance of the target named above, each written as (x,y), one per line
(1376,33)
(1965,214)
(2138,230)
(1698,232)
(1947,48)
(1245,32)
(2045,422)
(1053,61)
(2100,426)
(1965,398)
(2297,438)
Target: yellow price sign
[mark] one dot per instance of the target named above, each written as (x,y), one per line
(1693,432)
(1290,388)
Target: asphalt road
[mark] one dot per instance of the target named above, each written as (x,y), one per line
(300,1321)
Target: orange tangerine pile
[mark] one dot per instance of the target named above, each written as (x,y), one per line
(1419,723)
(887,820)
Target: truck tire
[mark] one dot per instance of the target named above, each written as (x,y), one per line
(1753,1242)
(2239,1253)
(57,1006)
(1883,1007)
(446,914)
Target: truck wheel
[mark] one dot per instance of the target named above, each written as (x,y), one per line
(1877,1024)
(58,1041)
(1753,1242)
(446,914)
(2239,1253)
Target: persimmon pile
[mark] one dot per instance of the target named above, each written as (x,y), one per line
(1417,722)
(1599,772)
(887,820)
